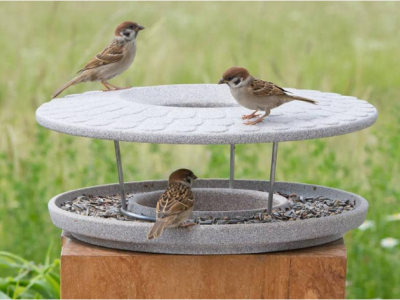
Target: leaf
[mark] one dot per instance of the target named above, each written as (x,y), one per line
(4,296)
(30,281)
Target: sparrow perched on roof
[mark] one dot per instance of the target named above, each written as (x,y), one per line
(112,61)
(256,94)
(176,204)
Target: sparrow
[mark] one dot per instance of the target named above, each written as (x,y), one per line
(256,94)
(112,61)
(175,204)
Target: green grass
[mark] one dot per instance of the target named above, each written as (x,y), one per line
(350,48)
(26,280)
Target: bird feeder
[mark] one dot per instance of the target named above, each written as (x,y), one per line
(204,114)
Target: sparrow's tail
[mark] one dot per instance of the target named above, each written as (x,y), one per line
(303,99)
(157,229)
(77,79)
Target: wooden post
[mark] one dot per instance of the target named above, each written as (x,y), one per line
(93,272)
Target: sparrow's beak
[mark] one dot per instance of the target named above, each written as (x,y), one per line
(221,81)
(140,28)
(195,177)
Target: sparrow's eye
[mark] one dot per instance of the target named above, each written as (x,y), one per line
(237,81)
(131,26)
(229,78)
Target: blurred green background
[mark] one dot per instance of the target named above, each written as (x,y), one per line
(350,48)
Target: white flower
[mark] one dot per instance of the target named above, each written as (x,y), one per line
(394,217)
(367,225)
(389,242)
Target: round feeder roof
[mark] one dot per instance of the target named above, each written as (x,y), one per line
(200,114)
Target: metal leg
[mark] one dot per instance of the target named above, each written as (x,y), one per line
(120,175)
(122,188)
(232,167)
(272,177)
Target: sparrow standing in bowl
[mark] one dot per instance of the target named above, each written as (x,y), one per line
(112,61)
(256,94)
(176,204)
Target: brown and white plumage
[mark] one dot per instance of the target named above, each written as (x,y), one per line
(112,61)
(111,54)
(256,94)
(176,204)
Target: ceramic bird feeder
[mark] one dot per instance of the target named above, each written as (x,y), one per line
(242,210)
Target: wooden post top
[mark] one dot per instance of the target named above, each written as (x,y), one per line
(89,271)
(73,247)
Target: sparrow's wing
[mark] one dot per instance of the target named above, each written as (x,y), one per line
(265,88)
(176,199)
(111,54)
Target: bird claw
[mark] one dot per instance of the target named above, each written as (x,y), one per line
(253,122)
(251,116)
(188,225)
(117,89)
(122,88)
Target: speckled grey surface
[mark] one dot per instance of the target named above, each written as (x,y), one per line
(215,202)
(210,239)
(200,114)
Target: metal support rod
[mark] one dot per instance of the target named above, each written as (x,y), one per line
(120,175)
(232,167)
(122,188)
(272,177)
